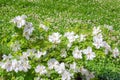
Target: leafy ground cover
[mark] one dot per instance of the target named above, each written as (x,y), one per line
(61,16)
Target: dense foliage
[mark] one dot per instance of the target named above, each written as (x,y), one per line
(57,47)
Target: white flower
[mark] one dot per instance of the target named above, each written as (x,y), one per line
(5,57)
(26,35)
(39,54)
(7,65)
(82,37)
(66,75)
(29,27)
(40,69)
(55,38)
(84,71)
(107,46)
(73,67)
(15,46)
(69,44)
(25,55)
(27,32)
(19,20)
(28,53)
(115,52)
(60,68)
(31,51)
(52,63)
(24,65)
(63,53)
(90,55)
(71,36)
(98,41)
(15,65)
(96,30)
(77,53)
(20,63)
(43,27)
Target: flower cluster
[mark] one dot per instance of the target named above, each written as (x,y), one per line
(90,55)
(60,69)
(55,59)
(77,53)
(97,37)
(99,42)
(28,27)
(40,69)
(11,64)
(54,38)
(39,54)
(19,20)
(71,37)
(88,75)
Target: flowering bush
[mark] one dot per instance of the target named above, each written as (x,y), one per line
(47,53)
